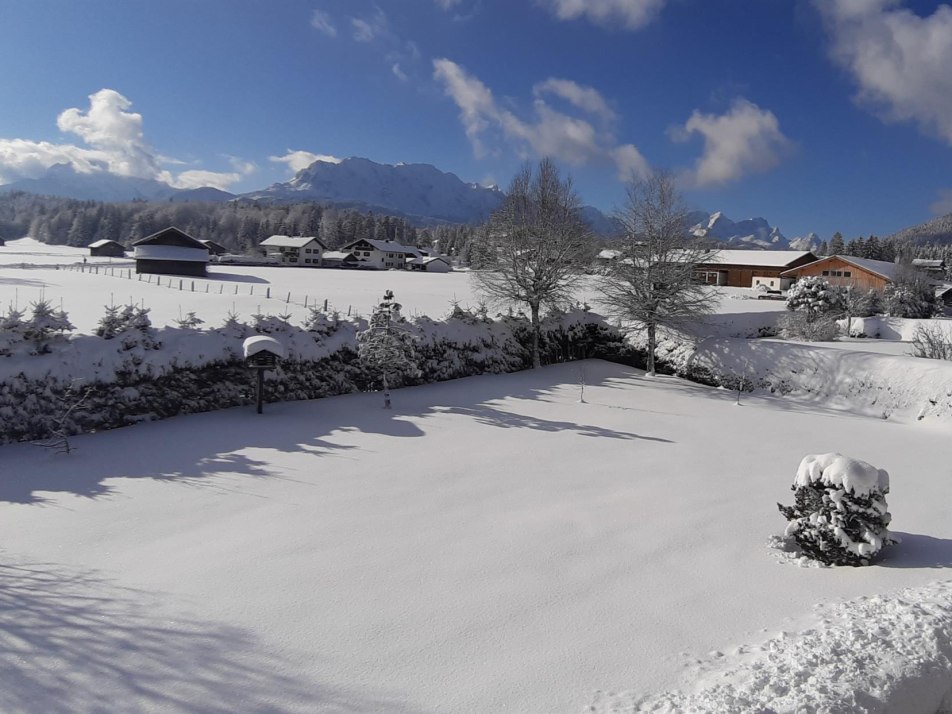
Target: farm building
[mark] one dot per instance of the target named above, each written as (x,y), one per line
(863,273)
(107,248)
(339,259)
(751,268)
(932,268)
(213,247)
(381,254)
(430,264)
(170,252)
(294,250)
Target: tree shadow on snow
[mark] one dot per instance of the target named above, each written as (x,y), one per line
(918,551)
(72,641)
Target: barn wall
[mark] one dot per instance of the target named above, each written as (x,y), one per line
(860,278)
(171,267)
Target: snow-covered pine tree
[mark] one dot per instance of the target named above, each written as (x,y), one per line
(840,516)
(386,346)
(45,325)
(12,328)
(110,324)
(191,321)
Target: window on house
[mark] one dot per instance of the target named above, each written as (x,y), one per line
(847,274)
(826,272)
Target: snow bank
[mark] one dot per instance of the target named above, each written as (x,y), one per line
(885,653)
(886,386)
(895,328)
(837,470)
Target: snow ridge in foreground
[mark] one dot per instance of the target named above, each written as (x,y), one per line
(885,653)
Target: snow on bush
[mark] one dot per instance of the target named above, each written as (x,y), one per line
(840,516)
(812,305)
(133,372)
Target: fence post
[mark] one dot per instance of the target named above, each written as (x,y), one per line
(288,301)
(305,302)
(348,311)
(267,292)
(180,284)
(236,288)
(325,304)
(193,286)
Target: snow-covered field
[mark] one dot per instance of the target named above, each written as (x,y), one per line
(52,272)
(490,545)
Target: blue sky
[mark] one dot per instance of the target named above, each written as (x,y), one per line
(820,115)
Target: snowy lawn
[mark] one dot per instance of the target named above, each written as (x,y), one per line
(490,545)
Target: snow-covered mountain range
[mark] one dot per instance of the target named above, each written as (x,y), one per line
(419,192)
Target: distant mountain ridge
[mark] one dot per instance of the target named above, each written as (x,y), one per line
(416,190)
(938,230)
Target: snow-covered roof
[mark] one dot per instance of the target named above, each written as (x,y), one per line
(880,267)
(337,255)
(927,263)
(171,252)
(261,343)
(387,246)
(290,241)
(756,258)
(609,254)
(426,260)
(104,241)
(170,236)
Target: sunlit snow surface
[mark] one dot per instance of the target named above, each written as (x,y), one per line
(491,545)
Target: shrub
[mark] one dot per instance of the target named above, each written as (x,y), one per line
(931,342)
(807,326)
(911,300)
(814,296)
(840,514)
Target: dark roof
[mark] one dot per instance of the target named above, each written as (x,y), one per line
(171,236)
(105,242)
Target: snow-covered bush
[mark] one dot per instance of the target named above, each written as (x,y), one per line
(814,296)
(201,370)
(808,326)
(911,300)
(812,307)
(840,515)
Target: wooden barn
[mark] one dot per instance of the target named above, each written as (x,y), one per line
(171,252)
(862,273)
(430,264)
(751,268)
(107,249)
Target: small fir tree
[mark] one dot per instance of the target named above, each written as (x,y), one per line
(386,346)
(12,328)
(45,326)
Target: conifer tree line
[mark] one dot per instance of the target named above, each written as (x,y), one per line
(239,226)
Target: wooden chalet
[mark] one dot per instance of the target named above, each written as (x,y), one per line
(170,252)
(107,248)
(751,268)
(863,273)
(381,254)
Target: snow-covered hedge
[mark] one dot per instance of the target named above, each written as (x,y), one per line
(138,373)
(840,516)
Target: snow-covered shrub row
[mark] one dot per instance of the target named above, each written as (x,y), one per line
(840,516)
(135,372)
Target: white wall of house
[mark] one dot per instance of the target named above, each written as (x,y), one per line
(771,283)
(309,254)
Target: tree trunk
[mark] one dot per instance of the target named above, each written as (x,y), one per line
(652,343)
(386,392)
(536,334)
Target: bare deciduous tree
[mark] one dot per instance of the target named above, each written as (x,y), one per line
(536,245)
(655,283)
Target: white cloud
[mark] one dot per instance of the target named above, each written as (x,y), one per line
(747,139)
(630,14)
(197,178)
(901,62)
(549,132)
(585,98)
(115,144)
(399,73)
(297,160)
(322,22)
(368,29)
(943,203)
